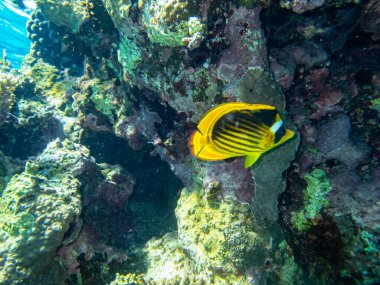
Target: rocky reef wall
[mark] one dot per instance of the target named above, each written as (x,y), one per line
(97,182)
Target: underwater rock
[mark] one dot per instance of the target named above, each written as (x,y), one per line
(282,67)
(52,189)
(307,54)
(8,84)
(352,154)
(246,45)
(118,10)
(257,87)
(129,55)
(44,37)
(71,14)
(174,23)
(38,207)
(329,138)
(229,180)
(301,6)
(8,168)
(283,62)
(220,236)
(48,81)
(87,243)
(369,19)
(213,237)
(352,196)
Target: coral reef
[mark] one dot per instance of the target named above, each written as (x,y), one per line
(118,10)
(8,84)
(94,131)
(38,207)
(174,23)
(318,186)
(301,6)
(71,14)
(214,240)
(45,43)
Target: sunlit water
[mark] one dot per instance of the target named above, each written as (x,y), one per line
(13,36)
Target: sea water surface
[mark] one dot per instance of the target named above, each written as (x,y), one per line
(13,37)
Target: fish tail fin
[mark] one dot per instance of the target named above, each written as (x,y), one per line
(251,159)
(199,151)
(191,143)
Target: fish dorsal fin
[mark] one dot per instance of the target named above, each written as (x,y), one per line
(251,159)
(213,115)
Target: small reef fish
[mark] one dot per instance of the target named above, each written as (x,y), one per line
(238,129)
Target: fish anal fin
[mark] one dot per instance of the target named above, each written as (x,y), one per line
(251,159)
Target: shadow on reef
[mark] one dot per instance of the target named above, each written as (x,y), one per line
(156,191)
(23,141)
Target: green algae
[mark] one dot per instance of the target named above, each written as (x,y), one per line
(8,84)
(37,208)
(318,186)
(129,55)
(69,13)
(215,242)
(171,23)
(369,242)
(375,104)
(118,10)
(50,83)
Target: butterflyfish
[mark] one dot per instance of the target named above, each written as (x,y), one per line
(238,129)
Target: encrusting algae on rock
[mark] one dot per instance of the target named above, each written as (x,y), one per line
(216,241)
(318,186)
(37,208)
(128,81)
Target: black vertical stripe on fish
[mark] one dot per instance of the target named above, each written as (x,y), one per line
(242,139)
(235,143)
(257,128)
(250,131)
(239,131)
(279,134)
(238,137)
(226,150)
(239,145)
(228,146)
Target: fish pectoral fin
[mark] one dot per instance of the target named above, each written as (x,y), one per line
(251,159)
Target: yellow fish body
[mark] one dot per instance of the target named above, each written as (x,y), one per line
(238,129)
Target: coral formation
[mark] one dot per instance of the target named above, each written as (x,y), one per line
(318,186)
(129,55)
(50,82)
(301,6)
(71,14)
(214,240)
(118,10)
(125,82)
(8,84)
(45,43)
(38,207)
(174,23)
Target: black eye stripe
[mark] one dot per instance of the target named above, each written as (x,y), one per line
(279,134)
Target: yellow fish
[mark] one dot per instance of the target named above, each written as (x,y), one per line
(238,129)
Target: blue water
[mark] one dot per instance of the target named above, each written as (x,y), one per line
(13,32)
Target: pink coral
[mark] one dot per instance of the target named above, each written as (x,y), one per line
(116,192)
(140,124)
(234,179)
(247,44)
(88,244)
